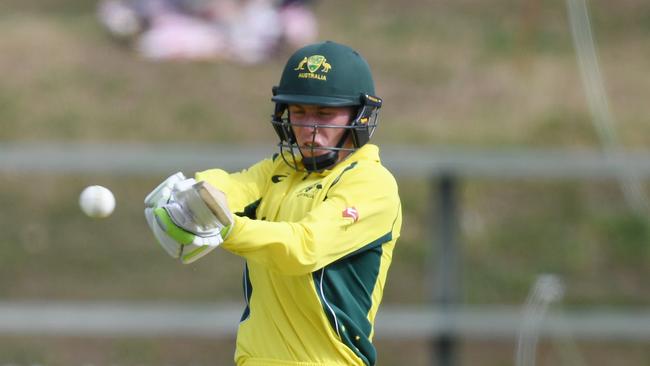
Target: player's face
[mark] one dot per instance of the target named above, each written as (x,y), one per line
(309,123)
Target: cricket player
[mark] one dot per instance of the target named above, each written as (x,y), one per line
(316,223)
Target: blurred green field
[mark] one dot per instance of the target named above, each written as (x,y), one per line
(464,72)
(478,74)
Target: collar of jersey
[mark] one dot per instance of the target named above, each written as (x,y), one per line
(366,152)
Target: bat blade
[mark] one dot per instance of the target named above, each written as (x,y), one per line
(216,201)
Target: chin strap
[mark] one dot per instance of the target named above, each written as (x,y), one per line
(321,162)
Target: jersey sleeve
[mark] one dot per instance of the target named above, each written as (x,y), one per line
(242,188)
(330,231)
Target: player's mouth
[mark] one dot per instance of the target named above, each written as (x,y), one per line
(311,149)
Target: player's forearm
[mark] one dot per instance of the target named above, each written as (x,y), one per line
(305,246)
(289,248)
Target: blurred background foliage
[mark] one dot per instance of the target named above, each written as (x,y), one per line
(469,73)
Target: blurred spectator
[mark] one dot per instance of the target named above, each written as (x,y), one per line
(247,31)
(299,26)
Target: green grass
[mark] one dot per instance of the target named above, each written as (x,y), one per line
(461,73)
(479,74)
(488,75)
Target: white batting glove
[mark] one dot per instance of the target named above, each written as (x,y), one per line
(176,241)
(161,194)
(181,222)
(156,198)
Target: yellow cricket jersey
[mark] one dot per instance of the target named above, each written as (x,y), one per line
(317,248)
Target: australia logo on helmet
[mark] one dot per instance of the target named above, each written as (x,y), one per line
(317,66)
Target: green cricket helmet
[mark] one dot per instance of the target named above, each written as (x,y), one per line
(332,75)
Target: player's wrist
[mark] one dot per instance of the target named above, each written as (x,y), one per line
(238,223)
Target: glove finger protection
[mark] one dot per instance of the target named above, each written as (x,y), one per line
(161,194)
(176,241)
(172,247)
(156,198)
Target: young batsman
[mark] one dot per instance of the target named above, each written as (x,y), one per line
(316,223)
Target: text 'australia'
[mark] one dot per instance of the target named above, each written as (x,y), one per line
(309,75)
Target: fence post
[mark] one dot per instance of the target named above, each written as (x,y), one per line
(446,295)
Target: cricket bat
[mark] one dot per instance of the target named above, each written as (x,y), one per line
(215,200)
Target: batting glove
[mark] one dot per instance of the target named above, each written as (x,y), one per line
(161,194)
(181,222)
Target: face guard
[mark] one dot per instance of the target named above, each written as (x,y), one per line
(360,129)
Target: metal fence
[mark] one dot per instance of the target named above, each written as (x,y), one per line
(443,321)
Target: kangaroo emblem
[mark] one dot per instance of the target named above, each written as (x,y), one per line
(302,64)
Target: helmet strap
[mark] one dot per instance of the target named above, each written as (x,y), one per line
(321,162)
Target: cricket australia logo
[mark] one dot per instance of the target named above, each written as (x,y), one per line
(310,191)
(317,66)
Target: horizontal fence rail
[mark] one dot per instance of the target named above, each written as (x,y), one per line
(216,321)
(150,159)
(445,164)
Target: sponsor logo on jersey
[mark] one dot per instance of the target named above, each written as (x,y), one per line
(278,178)
(351,212)
(316,65)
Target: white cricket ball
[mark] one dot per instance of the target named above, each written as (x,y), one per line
(97,201)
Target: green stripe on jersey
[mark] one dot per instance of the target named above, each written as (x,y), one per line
(345,289)
(248,293)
